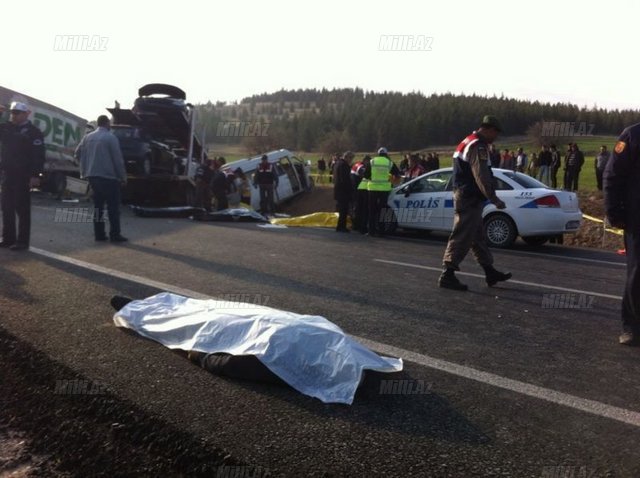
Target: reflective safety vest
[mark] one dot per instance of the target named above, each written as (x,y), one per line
(364,185)
(380,169)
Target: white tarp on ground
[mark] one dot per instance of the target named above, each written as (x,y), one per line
(308,352)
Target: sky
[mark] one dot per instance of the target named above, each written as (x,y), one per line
(566,51)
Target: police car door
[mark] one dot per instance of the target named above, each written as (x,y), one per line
(441,193)
(416,205)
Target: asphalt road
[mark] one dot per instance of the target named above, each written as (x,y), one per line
(510,387)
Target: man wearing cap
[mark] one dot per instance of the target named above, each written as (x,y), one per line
(473,185)
(379,173)
(361,209)
(622,203)
(102,164)
(343,189)
(266,178)
(22,156)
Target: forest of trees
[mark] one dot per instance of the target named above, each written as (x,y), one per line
(322,120)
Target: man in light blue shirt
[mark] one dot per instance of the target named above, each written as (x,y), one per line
(101,162)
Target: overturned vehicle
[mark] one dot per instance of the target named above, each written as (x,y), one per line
(159,146)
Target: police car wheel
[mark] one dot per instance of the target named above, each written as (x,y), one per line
(500,230)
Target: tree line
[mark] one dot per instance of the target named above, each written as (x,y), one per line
(351,118)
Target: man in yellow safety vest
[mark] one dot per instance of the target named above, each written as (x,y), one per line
(380,172)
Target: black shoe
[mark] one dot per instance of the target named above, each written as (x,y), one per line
(118,239)
(118,301)
(493,276)
(6,244)
(343,230)
(629,338)
(448,280)
(19,246)
(101,238)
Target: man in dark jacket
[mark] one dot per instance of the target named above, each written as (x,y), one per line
(266,178)
(572,165)
(219,186)
(622,203)
(343,189)
(21,162)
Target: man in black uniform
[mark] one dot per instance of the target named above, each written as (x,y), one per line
(266,178)
(473,185)
(622,203)
(343,189)
(21,162)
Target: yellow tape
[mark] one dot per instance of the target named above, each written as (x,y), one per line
(613,230)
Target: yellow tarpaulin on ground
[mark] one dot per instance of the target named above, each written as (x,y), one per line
(317,219)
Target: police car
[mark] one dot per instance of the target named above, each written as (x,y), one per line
(534,212)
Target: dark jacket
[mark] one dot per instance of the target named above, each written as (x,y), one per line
(621,179)
(342,185)
(22,151)
(265,175)
(544,159)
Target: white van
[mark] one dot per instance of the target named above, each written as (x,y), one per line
(293,175)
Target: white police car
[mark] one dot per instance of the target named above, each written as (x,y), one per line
(534,212)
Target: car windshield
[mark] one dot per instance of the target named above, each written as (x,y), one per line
(525,181)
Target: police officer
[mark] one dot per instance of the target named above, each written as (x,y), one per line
(473,184)
(379,173)
(343,189)
(361,210)
(22,157)
(622,203)
(266,179)
(203,176)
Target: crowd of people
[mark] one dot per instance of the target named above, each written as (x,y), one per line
(545,164)
(220,189)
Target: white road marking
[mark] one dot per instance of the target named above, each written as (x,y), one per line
(511,281)
(577,403)
(556,256)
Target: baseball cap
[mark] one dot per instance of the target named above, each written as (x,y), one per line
(491,122)
(382,151)
(18,106)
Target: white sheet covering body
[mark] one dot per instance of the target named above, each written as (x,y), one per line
(308,352)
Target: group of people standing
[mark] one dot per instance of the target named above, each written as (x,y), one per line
(545,164)
(364,188)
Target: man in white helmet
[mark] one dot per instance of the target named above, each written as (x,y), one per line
(22,156)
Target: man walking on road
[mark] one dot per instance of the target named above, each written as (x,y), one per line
(622,203)
(473,185)
(22,157)
(102,164)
